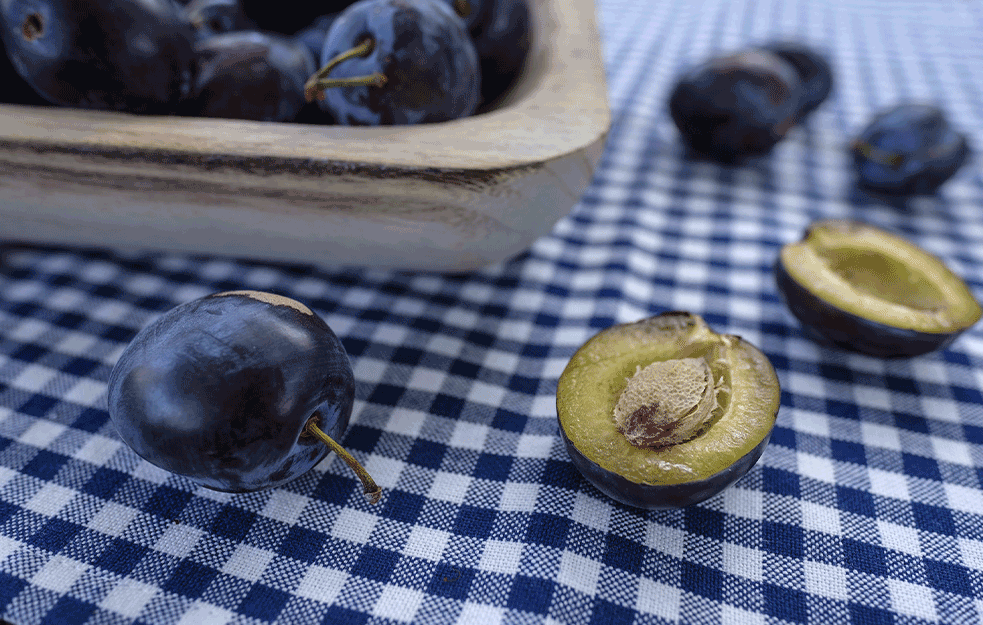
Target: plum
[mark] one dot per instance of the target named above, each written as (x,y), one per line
(234,391)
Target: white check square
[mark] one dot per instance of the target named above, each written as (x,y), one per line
(321,584)
(450,487)
(475,614)
(33,378)
(426,543)
(248,562)
(534,446)
(579,573)
(501,556)
(912,599)
(397,603)
(41,433)
(128,598)
(826,580)
(112,519)
(658,599)
(354,525)
(518,497)
(59,573)
(178,540)
(50,500)
(86,392)
(592,512)
(469,435)
(284,506)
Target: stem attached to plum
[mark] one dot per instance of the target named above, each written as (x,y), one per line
(319,81)
(369,487)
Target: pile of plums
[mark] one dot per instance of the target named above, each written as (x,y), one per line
(367,62)
(741,105)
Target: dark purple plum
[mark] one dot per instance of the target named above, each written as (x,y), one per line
(388,62)
(123,55)
(909,149)
(223,390)
(250,75)
(736,106)
(15,89)
(313,38)
(500,30)
(215,17)
(815,74)
(502,47)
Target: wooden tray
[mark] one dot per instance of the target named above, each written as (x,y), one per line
(453,196)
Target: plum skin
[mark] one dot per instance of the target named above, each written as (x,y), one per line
(814,71)
(249,75)
(827,323)
(927,149)
(661,496)
(219,390)
(122,55)
(736,106)
(422,48)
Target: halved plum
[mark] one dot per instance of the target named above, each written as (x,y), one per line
(867,290)
(664,412)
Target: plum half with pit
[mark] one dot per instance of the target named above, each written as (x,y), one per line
(665,412)
(238,391)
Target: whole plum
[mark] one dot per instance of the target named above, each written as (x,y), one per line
(908,149)
(814,71)
(233,391)
(736,106)
(250,75)
(214,17)
(388,62)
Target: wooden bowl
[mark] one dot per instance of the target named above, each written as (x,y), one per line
(451,196)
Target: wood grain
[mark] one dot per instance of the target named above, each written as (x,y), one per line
(453,196)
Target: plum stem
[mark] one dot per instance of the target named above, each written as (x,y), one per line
(369,487)
(319,81)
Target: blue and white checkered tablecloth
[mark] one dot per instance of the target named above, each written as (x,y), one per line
(865,508)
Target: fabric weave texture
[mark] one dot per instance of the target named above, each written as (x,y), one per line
(865,508)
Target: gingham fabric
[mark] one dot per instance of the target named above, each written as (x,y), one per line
(865,508)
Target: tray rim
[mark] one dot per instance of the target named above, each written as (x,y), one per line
(562,110)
